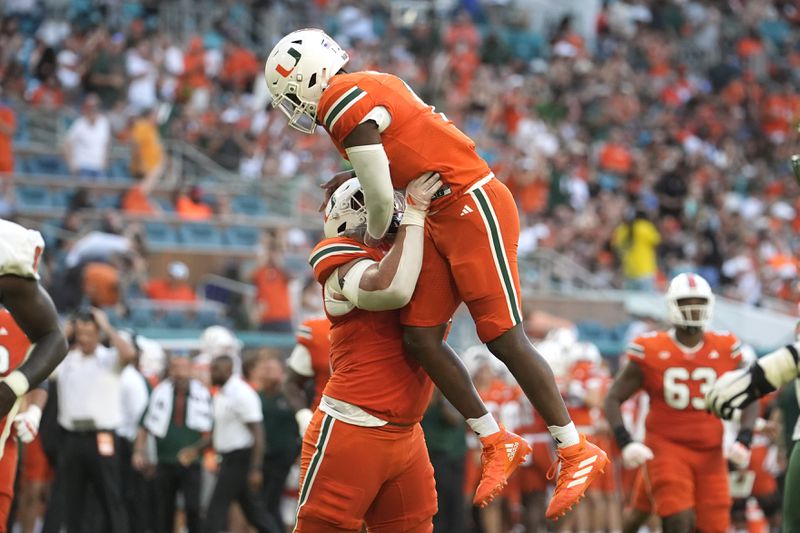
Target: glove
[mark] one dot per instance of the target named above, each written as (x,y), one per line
(739,455)
(303,418)
(420,190)
(737,389)
(635,455)
(27,423)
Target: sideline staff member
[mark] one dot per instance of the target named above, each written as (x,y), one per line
(90,411)
(239,438)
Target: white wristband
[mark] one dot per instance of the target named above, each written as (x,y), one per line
(303,419)
(17,382)
(413,217)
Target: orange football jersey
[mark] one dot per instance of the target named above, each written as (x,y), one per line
(416,141)
(369,367)
(14,344)
(677,379)
(314,334)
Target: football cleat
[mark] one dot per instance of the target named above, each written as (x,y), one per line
(580,464)
(502,453)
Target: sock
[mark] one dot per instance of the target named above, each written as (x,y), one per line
(564,435)
(484,426)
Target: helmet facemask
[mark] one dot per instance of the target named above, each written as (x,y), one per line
(690,313)
(302,115)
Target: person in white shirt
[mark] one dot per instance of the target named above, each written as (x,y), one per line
(143,74)
(135,396)
(88,141)
(239,438)
(90,411)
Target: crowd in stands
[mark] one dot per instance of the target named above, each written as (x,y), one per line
(657,144)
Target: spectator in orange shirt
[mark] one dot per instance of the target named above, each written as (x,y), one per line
(190,205)
(147,152)
(48,95)
(137,199)
(273,306)
(240,67)
(175,288)
(101,284)
(615,156)
(8,125)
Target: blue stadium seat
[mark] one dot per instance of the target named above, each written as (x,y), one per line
(118,170)
(50,164)
(174,319)
(107,201)
(160,234)
(208,317)
(60,198)
(201,235)
(248,205)
(140,317)
(243,236)
(164,203)
(33,197)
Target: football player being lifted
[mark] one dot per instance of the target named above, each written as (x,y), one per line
(470,246)
(685,472)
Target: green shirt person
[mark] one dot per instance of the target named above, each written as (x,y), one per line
(179,419)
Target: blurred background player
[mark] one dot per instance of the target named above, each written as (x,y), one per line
(373,118)
(28,319)
(372,405)
(740,388)
(310,360)
(502,400)
(685,469)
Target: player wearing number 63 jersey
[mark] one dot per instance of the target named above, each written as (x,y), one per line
(685,470)
(28,327)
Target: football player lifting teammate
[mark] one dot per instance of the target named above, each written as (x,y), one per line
(390,136)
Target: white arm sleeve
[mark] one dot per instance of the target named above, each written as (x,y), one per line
(400,290)
(300,361)
(380,115)
(372,168)
(782,365)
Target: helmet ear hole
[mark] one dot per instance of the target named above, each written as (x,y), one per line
(312,80)
(341,228)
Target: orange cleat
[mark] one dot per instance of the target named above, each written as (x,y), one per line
(502,453)
(580,464)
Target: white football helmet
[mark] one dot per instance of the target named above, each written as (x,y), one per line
(584,351)
(346,212)
(685,286)
(218,340)
(297,71)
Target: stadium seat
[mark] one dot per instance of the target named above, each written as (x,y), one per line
(140,317)
(243,236)
(119,170)
(164,203)
(208,317)
(159,234)
(200,235)
(50,164)
(248,205)
(32,197)
(174,319)
(107,201)
(60,198)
